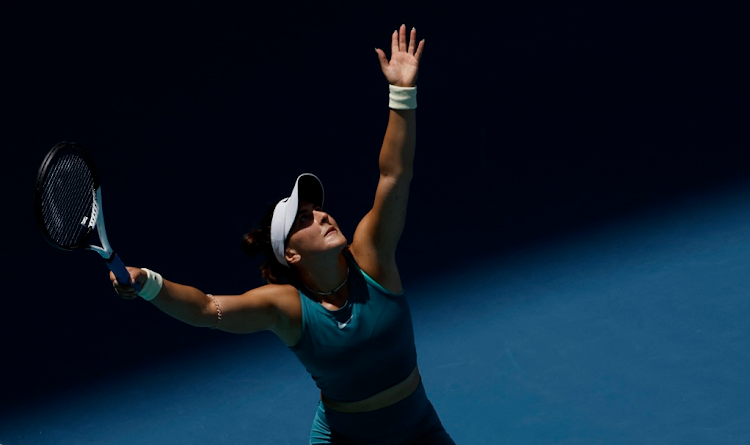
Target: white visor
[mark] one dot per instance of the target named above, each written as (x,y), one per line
(307,188)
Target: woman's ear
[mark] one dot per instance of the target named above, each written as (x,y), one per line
(291,256)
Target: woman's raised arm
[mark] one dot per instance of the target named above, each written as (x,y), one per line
(377,235)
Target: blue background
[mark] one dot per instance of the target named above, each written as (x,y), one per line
(575,247)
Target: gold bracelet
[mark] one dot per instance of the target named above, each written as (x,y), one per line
(218,312)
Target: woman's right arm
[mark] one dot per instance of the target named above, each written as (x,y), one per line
(270,307)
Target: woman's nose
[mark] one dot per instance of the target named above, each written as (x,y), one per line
(322,216)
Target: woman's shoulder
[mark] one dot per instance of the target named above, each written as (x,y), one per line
(275,293)
(384,272)
(282,299)
(285,301)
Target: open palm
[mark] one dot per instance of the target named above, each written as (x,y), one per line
(403,68)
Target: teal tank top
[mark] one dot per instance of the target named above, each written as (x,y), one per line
(361,349)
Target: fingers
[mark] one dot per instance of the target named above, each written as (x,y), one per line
(399,42)
(420,48)
(402,38)
(125,291)
(382,58)
(412,39)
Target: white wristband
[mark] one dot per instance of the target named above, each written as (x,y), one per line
(152,286)
(402,98)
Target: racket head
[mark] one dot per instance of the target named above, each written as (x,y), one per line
(65,196)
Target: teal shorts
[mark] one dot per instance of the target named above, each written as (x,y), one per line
(410,421)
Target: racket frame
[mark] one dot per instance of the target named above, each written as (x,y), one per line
(96,219)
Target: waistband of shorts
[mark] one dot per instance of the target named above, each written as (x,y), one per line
(383,399)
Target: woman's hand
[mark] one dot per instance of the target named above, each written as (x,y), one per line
(403,67)
(124,290)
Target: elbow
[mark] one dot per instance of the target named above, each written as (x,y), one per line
(401,174)
(197,318)
(187,304)
(395,180)
(209,314)
(200,315)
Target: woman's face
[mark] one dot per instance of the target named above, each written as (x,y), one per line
(313,233)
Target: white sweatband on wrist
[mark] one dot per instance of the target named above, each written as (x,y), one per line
(152,286)
(402,98)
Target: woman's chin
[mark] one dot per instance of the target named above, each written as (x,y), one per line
(336,240)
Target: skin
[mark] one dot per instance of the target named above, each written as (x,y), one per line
(313,249)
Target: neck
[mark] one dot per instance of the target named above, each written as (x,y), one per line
(326,279)
(333,291)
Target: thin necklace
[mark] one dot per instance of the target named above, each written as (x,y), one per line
(338,288)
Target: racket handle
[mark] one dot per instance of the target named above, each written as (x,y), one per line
(117,267)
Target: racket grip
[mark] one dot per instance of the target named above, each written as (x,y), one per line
(117,267)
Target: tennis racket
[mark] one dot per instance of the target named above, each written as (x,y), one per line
(68,206)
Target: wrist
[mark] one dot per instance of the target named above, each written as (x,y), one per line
(402,98)
(152,286)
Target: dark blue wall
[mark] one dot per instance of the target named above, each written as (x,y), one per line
(534,120)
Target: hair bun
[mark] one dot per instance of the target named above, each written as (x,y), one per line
(258,242)
(255,242)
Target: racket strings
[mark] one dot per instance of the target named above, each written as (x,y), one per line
(68,201)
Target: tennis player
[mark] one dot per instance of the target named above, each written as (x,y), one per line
(339,306)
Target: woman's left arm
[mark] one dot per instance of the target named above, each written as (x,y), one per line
(377,235)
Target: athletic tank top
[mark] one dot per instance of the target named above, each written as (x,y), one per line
(361,349)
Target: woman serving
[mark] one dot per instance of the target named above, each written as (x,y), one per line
(339,306)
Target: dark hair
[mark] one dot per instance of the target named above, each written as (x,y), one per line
(258,242)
